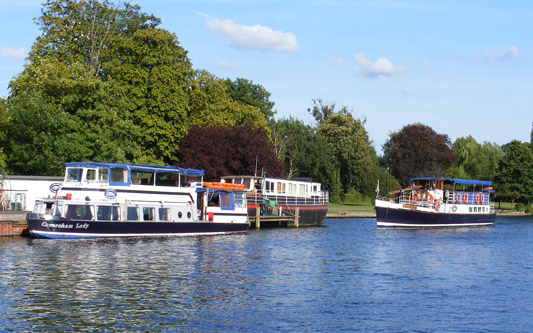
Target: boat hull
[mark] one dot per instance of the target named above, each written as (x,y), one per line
(395,217)
(41,228)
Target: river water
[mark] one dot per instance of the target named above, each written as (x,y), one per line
(345,276)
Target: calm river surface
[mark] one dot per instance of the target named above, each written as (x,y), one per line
(345,276)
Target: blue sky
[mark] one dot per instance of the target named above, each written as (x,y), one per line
(461,67)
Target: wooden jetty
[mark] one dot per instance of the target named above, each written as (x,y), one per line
(291,221)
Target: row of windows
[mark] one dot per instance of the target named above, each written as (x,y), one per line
(112,213)
(479,209)
(120,175)
(289,188)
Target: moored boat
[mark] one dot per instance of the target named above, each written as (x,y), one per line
(130,200)
(437,202)
(283,197)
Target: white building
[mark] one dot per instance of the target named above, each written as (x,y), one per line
(19,192)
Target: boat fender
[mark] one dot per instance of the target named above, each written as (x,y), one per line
(430,197)
(437,204)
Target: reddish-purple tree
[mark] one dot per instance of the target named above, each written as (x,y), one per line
(225,151)
(418,151)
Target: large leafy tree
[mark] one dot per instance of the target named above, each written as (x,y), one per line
(62,113)
(474,160)
(247,93)
(4,123)
(418,151)
(515,172)
(210,104)
(222,151)
(305,154)
(348,141)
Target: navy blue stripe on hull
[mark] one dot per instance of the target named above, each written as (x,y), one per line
(413,218)
(88,229)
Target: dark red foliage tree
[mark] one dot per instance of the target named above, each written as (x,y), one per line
(418,151)
(225,151)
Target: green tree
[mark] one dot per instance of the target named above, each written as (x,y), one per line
(418,151)
(4,127)
(322,111)
(63,113)
(350,146)
(305,154)
(247,93)
(515,173)
(210,104)
(474,160)
(151,75)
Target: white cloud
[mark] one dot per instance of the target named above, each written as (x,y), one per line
(495,57)
(505,55)
(253,37)
(407,92)
(9,52)
(381,66)
(225,64)
(337,62)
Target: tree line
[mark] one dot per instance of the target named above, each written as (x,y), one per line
(103,82)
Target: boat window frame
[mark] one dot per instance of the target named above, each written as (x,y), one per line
(128,212)
(125,172)
(227,200)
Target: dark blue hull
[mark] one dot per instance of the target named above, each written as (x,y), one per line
(390,217)
(39,228)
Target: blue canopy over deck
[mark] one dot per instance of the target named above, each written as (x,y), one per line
(454,180)
(152,168)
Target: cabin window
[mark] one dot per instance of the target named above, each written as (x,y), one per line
(302,189)
(213,200)
(103,175)
(132,214)
(140,177)
(119,176)
(148,213)
(164,214)
(470,209)
(107,213)
(79,212)
(91,175)
(167,179)
(227,201)
(240,200)
(247,182)
(315,189)
(74,175)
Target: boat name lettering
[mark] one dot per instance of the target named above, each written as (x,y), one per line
(409,206)
(57,225)
(82,226)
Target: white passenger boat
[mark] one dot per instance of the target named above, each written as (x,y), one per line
(283,197)
(437,202)
(129,200)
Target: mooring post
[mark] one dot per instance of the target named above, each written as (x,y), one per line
(297,217)
(257,218)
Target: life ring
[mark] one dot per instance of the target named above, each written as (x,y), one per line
(465,198)
(477,198)
(415,197)
(430,197)
(458,198)
(437,204)
(482,198)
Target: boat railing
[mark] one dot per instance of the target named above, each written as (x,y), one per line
(450,198)
(321,198)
